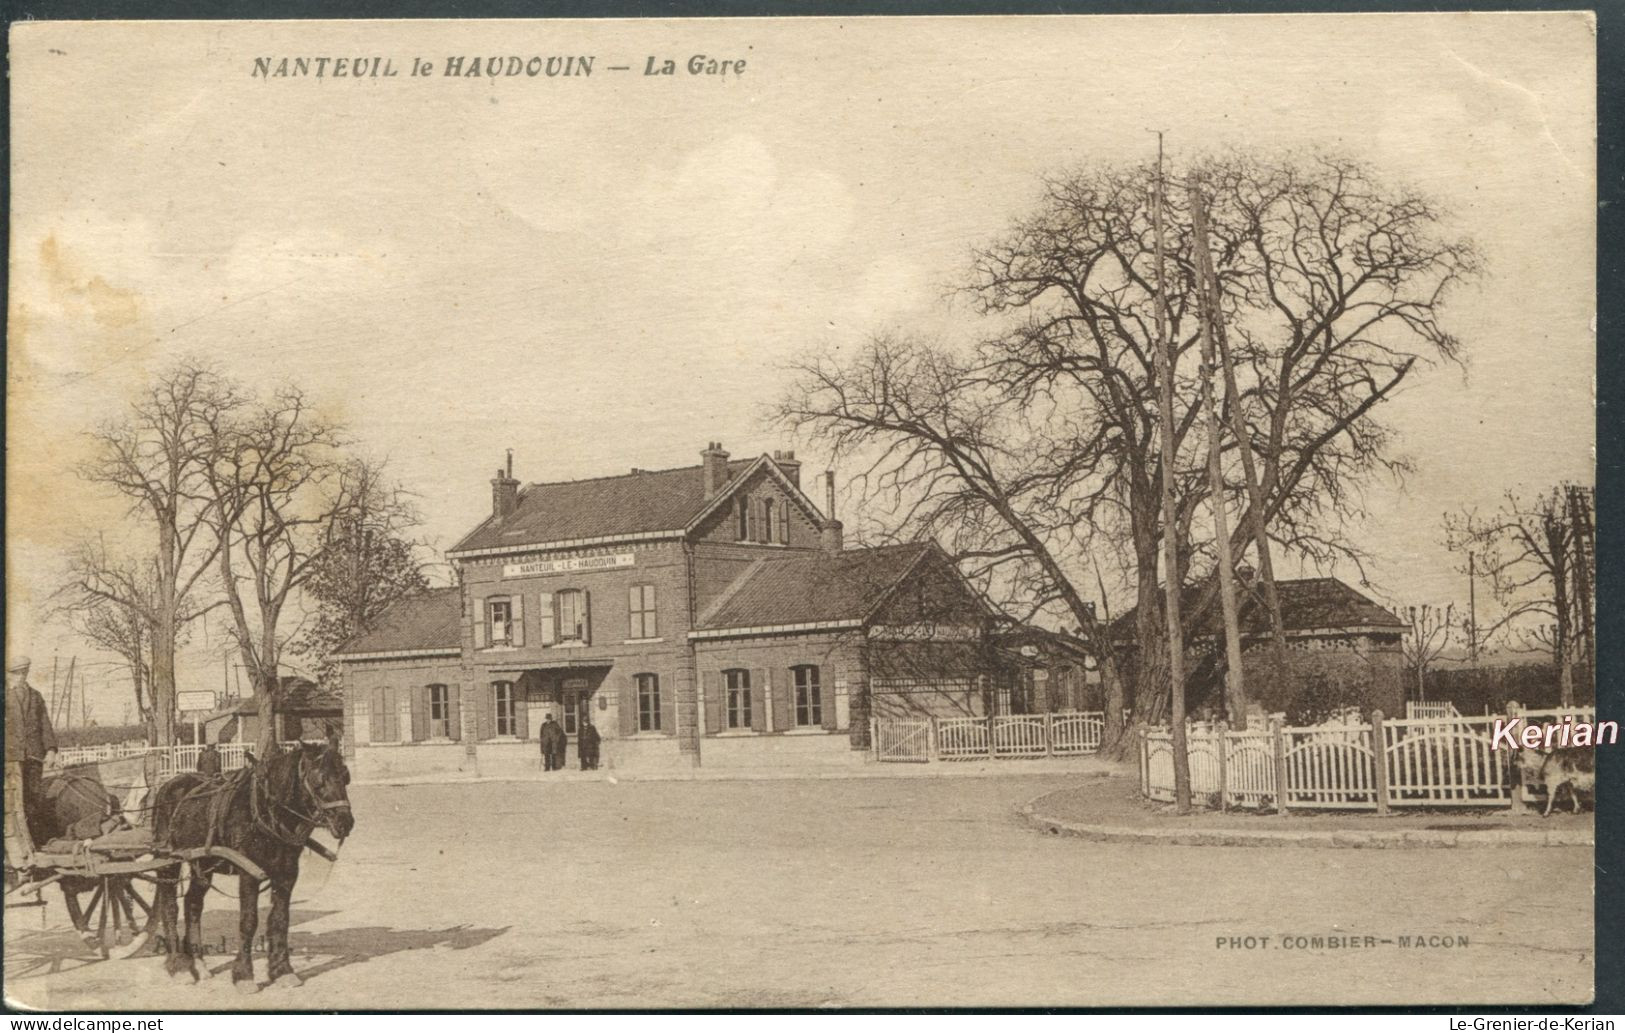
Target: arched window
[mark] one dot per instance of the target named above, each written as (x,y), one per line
(809,696)
(736,697)
(769,511)
(744,518)
(648,702)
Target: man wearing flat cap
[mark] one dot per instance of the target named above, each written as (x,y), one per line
(30,742)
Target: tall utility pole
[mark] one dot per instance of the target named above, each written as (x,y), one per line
(1208,318)
(1172,582)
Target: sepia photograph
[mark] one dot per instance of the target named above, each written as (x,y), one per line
(1001,512)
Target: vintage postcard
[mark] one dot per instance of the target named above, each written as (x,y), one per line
(627,514)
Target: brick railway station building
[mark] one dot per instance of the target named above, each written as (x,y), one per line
(702,615)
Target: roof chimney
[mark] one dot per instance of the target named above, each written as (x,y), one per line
(714,462)
(504,492)
(791,466)
(829,536)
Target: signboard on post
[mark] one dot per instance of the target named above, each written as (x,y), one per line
(197,703)
(201,700)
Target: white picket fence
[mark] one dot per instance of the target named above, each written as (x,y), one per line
(171,760)
(1423,710)
(918,740)
(1406,762)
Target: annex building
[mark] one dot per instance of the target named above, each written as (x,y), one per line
(707,615)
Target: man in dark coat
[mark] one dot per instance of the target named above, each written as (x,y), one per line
(553,742)
(208,761)
(30,743)
(587,744)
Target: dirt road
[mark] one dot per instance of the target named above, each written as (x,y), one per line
(852,893)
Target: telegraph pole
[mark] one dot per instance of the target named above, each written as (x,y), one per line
(1170,514)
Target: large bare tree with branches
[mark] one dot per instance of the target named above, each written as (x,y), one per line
(280,492)
(1038,447)
(144,591)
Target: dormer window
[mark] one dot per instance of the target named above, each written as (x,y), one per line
(768,514)
(745,520)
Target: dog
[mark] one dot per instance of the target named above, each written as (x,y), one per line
(1572,766)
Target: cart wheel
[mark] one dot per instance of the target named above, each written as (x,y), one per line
(121,915)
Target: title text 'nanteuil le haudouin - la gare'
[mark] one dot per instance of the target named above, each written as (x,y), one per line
(511,66)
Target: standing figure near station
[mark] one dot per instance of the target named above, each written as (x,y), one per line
(587,741)
(30,745)
(553,743)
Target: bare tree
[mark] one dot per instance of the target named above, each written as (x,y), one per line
(1431,632)
(1529,549)
(279,494)
(156,457)
(1330,289)
(1041,446)
(946,458)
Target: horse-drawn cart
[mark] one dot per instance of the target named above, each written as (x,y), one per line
(119,866)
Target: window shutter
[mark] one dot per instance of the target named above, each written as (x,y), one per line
(758,699)
(521,712)
(379,718)
(517,636)
(711,684)
(586,616)
(826,697)
(784,523)
(627,704)
(784,691)
(634,603)
(485,717)
(420,713)
(750,520)
(454,710)
(482,629)
(668,708)
(392,716)
(547,619)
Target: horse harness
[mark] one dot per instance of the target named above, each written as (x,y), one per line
(221,790)
(263,807)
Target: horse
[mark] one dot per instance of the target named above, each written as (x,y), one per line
(266,814)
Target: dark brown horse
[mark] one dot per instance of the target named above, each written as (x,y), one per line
(265,813)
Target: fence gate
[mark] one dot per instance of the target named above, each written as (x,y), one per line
(902,741)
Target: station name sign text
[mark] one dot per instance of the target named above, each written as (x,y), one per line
(570,565)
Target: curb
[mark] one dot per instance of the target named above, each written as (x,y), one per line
(1352,839)
(747,775)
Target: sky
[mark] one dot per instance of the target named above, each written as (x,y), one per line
(610,271)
